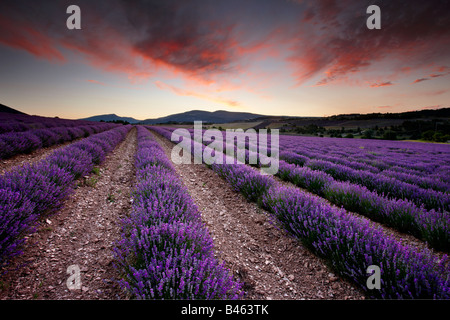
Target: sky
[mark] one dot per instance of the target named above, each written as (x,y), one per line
(148,59)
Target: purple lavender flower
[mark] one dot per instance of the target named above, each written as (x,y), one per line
(17,219)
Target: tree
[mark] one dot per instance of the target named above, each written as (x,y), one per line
(389,135)
(368,134)
(439,137)
(428,135)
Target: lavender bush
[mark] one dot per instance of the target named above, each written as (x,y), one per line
(293,157)
(418,159)
(22,142)
(43,183)
(74,160)
(48,137)
(304,177)
(432,199)
(15,225)
(244,179)
(174,261)
(13,143)
(20,123)
(404,215)
(350,245)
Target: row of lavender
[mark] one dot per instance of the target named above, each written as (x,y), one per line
(382,199)
(166,251)
(402,153)
(13,143)
(390,174)
(383,184)
(30,192)
(429,190)
(350,244)
(408,207)
(430,225)
(410,159)
(10,122)
(345,169)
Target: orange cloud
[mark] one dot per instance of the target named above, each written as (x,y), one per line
(341,46)
(25,37)
(210,44)
(383,84)
(96,82)
(437,75)
(433,75)
(420,80)
(445,69)
(139,41)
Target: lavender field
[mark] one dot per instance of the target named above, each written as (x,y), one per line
(33,190)
(401,185)
(349,203)
(225,155)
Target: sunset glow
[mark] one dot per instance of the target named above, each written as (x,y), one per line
(146,59)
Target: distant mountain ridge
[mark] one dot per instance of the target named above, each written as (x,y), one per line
(219,116)
(222,116)
(111,117)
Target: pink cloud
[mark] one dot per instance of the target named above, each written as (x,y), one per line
(383,84)
(326,39)
(96,82)
(420,80)
(411,33)
(25,37)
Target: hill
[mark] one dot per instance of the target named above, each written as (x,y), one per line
(7,109)
(111,117)
(184,117)
(219,116)
(426,125)
(431,113)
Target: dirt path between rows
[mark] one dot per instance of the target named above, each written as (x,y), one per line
(272,264)
(82,234)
